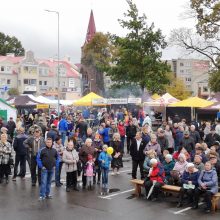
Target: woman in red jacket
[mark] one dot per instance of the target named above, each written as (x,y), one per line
(156,178)
(122,132)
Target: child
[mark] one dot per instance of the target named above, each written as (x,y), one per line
(89,171)
(105,160)
(70,158)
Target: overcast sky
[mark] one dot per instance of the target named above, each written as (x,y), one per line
(37,29)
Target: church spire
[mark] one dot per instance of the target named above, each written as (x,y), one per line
(91,28)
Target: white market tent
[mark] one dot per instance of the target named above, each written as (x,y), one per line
(164,101)
(7,111)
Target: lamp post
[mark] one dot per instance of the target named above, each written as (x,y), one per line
(91,85)
(58,58)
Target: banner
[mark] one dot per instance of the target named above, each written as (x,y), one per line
(117,101)
(134,100)
(42,106)
(99,101)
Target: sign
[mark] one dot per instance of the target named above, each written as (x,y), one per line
(42,106)
(71,83)
(99,101)
(117,101)
(134,100)
(30,88)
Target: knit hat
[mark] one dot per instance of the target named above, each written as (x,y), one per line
(153,161)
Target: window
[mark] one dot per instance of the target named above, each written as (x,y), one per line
(188,71)
(2,68)
(181,64)
(63,83)
(40,71)
(25,68)
(188,79)
(45,83)
(40,83)
(8,81)
(26,81)
(8,68)
(205,89)
(33,81)
(182,71)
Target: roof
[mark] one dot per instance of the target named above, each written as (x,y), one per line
(71,70)
(87,100)
(193,102)
(91,28)
(3,101)
(22,100)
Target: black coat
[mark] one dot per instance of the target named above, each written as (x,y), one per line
(18,145)
(11,127)
(137,154)
(211,139)
(131,131)
(188,144)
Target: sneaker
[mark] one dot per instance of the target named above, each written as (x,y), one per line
(117,173)
(58,185)
(14,179)
(41,198)
(49,196)
(112,174)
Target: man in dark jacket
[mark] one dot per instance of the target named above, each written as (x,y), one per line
(11,127)
(34,144)
(47,160)
(82,126)
(20,156)
(162,140)
(212,137)
(137,155)
(187,142)
(195,134)
(52,133)
(131,131)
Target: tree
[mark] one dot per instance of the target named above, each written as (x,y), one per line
(137,56)
(177,88)
(97,56)
(205,39)
(214,81)
(10,45)
(13,91)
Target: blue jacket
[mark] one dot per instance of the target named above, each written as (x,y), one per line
(105,134)
(63,125)
(104,156)
(190,177)
(210,179)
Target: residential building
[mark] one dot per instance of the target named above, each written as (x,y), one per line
(39,76)
(195,74)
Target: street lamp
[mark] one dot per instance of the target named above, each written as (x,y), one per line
(91,84)
(58,58)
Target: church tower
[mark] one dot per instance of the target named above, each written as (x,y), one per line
(88,75)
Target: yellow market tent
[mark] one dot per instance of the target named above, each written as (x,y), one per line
(87,100)
(155,96)
(193,102)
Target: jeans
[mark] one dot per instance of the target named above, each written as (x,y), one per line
(33,170)
(89,180)
(46,178)
(105,178)
(22,160)
(63,136)
(58,172)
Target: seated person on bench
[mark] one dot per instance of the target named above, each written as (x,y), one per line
(189,182)
(208,186)
(156,181)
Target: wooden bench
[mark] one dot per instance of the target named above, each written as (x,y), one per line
(140,183)
(215,200)
(169,188)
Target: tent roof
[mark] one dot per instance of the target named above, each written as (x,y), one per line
(193,102)
(3,101)
(155,96)
(22,100)
(87,100)
(215,98)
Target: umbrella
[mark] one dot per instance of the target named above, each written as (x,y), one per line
(151,189)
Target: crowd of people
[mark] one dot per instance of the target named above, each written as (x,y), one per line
(176,153)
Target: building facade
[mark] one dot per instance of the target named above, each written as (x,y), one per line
(39,76)
(195,74)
